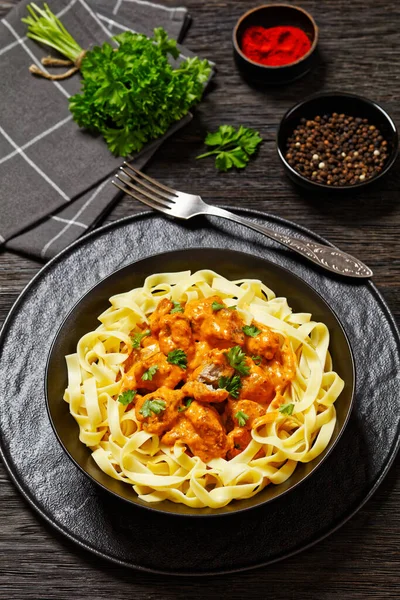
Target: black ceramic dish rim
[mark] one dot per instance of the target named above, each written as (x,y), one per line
(39,510)
(338,188)
(271,68)
(199,515)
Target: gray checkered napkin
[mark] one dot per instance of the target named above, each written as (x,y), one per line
(55,177)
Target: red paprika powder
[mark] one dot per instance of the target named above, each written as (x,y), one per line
(275,46)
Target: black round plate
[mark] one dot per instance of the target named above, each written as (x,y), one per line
(232,265)
(127,534)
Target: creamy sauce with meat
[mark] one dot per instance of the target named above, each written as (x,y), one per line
(188,389)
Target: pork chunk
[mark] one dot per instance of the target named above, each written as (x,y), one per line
(166,411)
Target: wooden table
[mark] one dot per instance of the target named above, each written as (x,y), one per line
(360,52)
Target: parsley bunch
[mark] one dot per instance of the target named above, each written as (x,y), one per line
(44,27)
(134,95)
(233,148)
(131,94)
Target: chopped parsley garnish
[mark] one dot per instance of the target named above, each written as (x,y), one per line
(148,375)
(251,330)
(152,406)
(217,306)
(257,359)
(286,409)
(187,403)
(177,357)
(137,338)
(126,397)
(232,384)
(236,358)
(242,418)
(177,307)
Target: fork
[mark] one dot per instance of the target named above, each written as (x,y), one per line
(177,204)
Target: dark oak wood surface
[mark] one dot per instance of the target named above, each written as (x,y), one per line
(360,52)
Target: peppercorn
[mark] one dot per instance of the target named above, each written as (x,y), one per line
(337,149)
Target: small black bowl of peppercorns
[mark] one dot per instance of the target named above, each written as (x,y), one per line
(337,141)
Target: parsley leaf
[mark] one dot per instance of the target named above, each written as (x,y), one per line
(217,306)
(152,406)
(126,397)
(231,384)
(131,94)
(257,359)
(251,330)
(177,307)
(232,147)
(232,158)
(188,402)
(166,45)
(242,418)
(137,338)
(248,140)
(221,136)
(236,358)
(177,357)
(148,375)
(286,409)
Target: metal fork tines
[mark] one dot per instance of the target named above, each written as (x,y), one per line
(146,189)
(182,205)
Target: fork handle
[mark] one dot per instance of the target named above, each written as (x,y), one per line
(328,257)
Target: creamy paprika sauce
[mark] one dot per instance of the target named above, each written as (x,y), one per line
(202,377)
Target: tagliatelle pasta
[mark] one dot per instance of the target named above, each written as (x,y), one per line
(201,390)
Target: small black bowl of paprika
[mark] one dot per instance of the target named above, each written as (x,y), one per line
(275,43)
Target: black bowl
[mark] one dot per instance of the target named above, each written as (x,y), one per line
(233,265)
(274,15)
(327,103)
